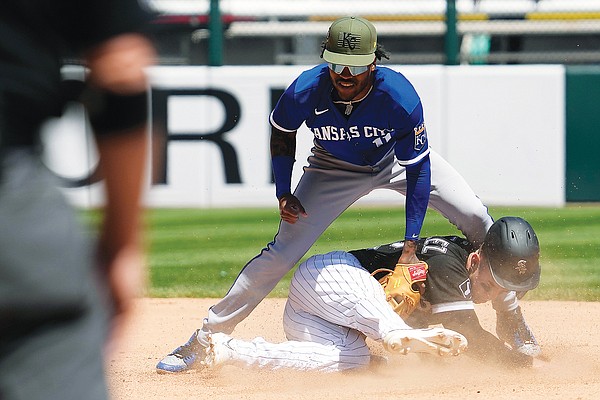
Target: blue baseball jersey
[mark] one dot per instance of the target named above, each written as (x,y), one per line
(391,116)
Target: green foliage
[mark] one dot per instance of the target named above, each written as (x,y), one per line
(199,252)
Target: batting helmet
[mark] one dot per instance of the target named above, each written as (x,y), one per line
(513,251)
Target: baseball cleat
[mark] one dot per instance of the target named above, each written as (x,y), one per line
(219,350)
(436,341)
(514,331)
(183,358)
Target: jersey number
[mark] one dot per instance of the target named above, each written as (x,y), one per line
(436,245)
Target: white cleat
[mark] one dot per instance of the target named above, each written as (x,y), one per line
(437,341)
(184,358)
(219,351)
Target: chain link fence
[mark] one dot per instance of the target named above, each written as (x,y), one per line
(265,32)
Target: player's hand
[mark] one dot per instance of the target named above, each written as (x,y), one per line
(127,278)
(409,253)
(290,208)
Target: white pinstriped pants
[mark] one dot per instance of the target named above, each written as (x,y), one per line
(333,305)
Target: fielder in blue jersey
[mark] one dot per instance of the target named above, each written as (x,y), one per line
(369,133)
(384,121)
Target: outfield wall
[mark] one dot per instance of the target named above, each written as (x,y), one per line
(502,127)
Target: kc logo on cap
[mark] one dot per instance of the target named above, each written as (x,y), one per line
(348,40)
(351,41)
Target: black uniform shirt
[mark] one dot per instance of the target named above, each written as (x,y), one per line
(35,38)
(447,298)
(448,286)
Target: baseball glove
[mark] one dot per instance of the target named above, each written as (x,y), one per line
(402,286)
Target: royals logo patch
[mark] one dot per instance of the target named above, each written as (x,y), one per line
(420,137)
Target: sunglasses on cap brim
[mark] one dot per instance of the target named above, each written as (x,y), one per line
(339,68)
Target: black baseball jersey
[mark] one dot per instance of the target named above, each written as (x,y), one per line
(447,292)
(36,36)
(448,285)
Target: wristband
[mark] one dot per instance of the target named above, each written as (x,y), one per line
(282,171)
(110,112)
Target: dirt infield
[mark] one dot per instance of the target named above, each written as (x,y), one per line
(568,332)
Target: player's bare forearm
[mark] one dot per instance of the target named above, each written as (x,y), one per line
(409,253)
(283,149)
(122,163)
(120,252)
(118,66)
(282,143)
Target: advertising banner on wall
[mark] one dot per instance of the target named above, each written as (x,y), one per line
(501,127)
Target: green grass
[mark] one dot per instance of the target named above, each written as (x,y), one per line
(198,252)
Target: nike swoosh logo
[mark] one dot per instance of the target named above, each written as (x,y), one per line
(319,112)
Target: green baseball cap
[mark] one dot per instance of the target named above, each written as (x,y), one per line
(351,41)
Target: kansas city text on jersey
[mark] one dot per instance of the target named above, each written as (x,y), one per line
(335,133)
(389,118)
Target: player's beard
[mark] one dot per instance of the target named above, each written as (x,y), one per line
(353,87)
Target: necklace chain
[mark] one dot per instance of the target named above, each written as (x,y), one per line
(349,105)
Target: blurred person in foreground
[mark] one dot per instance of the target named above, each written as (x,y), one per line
(63,295)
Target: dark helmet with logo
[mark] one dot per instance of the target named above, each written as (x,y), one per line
(513,251)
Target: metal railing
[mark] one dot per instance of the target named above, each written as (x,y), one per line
(485,31)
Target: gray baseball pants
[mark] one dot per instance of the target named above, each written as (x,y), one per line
(52,323)
(327,188)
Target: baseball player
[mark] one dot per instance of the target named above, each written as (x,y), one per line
(369,133)
(335,302)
